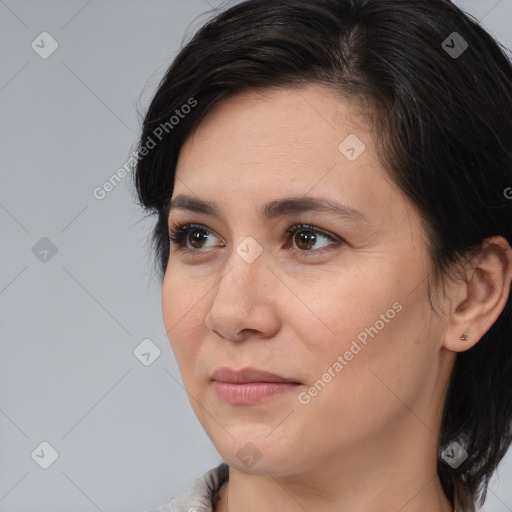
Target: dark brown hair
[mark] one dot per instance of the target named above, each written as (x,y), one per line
(443,123)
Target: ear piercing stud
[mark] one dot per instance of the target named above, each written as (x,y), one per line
(464,337)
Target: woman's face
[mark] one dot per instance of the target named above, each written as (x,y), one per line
(339,307)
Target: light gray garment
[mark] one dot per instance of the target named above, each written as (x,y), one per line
(199,498)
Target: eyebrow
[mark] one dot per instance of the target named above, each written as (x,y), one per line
(275,208)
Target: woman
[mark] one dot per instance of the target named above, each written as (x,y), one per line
(332,181)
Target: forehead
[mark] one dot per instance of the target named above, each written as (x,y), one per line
(262,145)
(286,132)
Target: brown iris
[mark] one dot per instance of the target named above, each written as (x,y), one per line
(196,236)
(305,240)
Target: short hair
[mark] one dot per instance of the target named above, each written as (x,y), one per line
(440,89)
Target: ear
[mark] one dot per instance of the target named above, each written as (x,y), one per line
(480,295)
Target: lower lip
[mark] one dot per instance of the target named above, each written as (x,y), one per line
(251,392)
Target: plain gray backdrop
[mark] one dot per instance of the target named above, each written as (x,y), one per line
(77,292)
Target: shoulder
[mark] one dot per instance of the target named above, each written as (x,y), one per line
(199,497)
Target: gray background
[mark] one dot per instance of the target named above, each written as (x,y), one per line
(126,437)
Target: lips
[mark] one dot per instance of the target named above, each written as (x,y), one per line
(250,386)
(245,375)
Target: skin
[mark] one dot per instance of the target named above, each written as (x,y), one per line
(368,440)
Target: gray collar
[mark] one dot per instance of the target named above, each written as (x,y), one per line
(200,497)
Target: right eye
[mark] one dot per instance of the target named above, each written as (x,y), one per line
(189,237)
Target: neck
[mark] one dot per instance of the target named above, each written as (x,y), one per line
(380,476)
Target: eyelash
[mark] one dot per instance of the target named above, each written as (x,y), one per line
(178,234)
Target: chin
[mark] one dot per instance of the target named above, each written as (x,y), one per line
(260,456)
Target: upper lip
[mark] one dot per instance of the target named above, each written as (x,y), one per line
(244,375)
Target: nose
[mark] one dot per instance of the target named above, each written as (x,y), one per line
(244,301)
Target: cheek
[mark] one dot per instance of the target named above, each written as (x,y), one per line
(377,362)
(363,326)
(183,312)
(332,310)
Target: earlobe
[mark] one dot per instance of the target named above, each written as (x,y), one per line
(480,295)
(463,343)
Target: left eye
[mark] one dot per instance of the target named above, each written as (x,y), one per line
(304,238)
